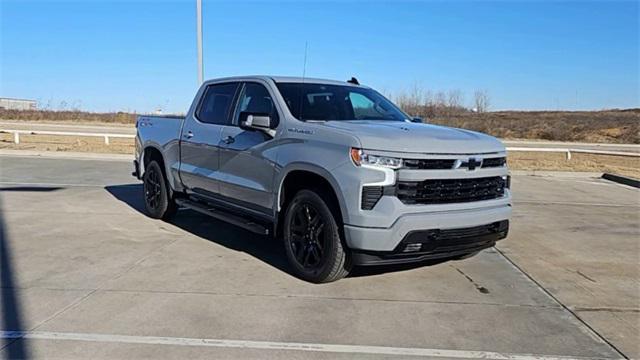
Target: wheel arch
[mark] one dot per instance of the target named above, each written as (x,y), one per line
(307,176)
(151,153)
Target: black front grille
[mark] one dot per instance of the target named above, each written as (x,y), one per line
(429,164)
(445,191)
(370,197)
(446,164)
(494,162)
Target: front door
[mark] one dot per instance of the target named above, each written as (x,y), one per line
(200,139)
(247,157)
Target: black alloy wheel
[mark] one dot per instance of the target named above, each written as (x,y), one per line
(312,238)
(152,190)
(307,236)
(157,201)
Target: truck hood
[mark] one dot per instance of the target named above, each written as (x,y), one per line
(417,138)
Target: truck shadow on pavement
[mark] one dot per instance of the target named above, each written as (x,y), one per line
(264,248)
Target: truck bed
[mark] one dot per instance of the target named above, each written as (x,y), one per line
(160,131)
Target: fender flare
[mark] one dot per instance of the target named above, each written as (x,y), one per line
(167,172)
(317,170)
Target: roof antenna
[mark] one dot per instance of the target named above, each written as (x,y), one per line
(304,72)
(304,65)
(353,81)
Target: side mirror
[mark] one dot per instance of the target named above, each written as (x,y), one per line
(417,119)
(256,121)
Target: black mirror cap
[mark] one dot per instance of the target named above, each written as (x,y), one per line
(417,119)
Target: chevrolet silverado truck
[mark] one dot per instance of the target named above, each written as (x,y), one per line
(333,169)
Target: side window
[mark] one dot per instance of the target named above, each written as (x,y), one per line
(256,99)
(363,107)
(216,102)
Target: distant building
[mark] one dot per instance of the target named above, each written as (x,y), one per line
(17,104)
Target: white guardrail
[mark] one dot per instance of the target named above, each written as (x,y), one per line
(16,134)
(567,151)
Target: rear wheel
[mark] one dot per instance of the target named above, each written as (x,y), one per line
(312,239)
(157,201)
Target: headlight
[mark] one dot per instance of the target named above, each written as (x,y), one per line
(361,158)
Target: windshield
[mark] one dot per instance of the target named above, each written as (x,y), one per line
(308,101)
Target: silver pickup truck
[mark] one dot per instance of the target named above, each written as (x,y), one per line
(334,169)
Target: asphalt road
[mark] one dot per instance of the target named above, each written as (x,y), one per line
(85,274)
(122,129)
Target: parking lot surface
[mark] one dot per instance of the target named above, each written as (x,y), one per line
(85,274)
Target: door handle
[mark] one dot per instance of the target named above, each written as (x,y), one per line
(229,140)
(188,135)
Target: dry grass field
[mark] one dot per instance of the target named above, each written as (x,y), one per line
(607,126)
(620,165)
(629,166)
(74,116)
(68,143)
(610,126)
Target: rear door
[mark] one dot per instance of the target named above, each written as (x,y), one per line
(247,157)
(201,135)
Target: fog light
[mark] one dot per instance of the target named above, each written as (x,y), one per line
(507,181)
(412,247)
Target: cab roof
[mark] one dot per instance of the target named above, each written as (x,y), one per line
(288,79)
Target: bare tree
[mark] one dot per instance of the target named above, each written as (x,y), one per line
(411,101)
(454,98)
(440,99)
(481,100)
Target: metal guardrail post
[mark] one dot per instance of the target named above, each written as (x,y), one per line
(16,137)
(106,140)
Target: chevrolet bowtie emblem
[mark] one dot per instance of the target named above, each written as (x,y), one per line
(470,164)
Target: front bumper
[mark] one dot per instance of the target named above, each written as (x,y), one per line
(421,245)
(386,240)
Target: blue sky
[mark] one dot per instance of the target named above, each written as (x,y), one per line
(126,56)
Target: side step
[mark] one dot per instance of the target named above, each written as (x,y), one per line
(224,216)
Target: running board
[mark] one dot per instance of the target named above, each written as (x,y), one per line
(224,216)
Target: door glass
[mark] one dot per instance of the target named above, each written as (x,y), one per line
(365,108)
(215,105)
(256,99)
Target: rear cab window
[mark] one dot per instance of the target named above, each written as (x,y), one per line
(216,103)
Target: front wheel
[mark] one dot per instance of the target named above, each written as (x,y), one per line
(312,240)
(157,201)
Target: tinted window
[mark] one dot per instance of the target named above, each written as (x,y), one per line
(215,105)
(308,101)
(256,99)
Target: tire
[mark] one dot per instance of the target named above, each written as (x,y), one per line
(312,239)
(157,201)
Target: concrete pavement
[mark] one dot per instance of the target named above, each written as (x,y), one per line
(87,275)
